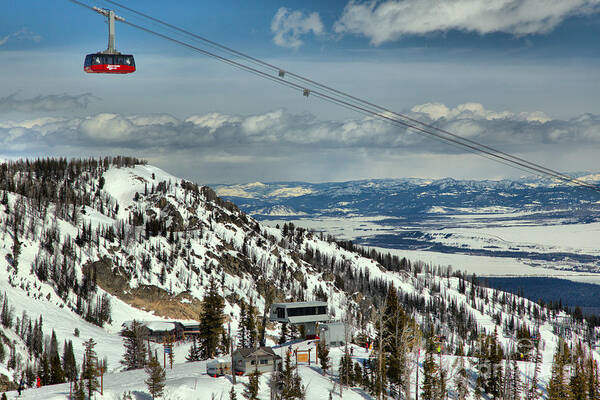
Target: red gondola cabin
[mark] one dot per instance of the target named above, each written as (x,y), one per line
(100,63)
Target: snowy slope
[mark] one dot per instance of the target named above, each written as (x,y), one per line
(200,237)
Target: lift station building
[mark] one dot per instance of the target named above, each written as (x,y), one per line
(307,313)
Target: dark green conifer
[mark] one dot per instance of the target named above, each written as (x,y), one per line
(68,362)
(156,378)
(194,352)
(283,335)
(557,387)
(135,346)
(430,387)
(323,353)
(252,388)
(211,322)
(89,367)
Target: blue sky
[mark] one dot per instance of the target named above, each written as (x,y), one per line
(522,75)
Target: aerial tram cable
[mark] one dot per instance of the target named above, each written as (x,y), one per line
(420,127)
(442,140)
(468,147)
(216,45)
(282,73)
(325,97)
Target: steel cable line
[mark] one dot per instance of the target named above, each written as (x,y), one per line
(301,78)
(195,36)
(350,104)
(441,140)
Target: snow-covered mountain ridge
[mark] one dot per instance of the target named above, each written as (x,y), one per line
(82,237)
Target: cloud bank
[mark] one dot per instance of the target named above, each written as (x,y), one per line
(288,26)
(280,129)
(386,21)
(54,102)
(280,145)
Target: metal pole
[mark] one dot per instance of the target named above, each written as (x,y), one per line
(231,345)
(417,381)
(111,32)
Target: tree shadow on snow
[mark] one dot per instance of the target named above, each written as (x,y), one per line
(140,395)
(362,393)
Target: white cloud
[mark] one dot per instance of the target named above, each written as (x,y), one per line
(280,131)
(436,111)
(212,121)
(389,20)
(22,34)
(107,127)
(288,26)
(282,145)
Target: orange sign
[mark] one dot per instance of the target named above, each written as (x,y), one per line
(302,357)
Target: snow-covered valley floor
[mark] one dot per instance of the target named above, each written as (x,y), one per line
(485,248)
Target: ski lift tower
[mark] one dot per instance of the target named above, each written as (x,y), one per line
(307,313)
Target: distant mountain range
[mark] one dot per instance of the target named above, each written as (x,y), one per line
(413,197)
(538,222)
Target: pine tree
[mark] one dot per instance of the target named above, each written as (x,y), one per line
(294,333)
(68,361)
(391,330)
(89,367)
(461,379)
(232,393)
(323,353)
(495,355)
(516,386)
(194,352)
(57,374)
(557,389)
(211,322)
(135,346)
(577,384)
(290,383)
(252,388)
(6,314)
(78,390)
(533,392)
(247,328)
(250,324)
(283,335)
(346,371)
(593,378)
(242,334)
(430,378)
(44,371)
(156,378)
(171,353)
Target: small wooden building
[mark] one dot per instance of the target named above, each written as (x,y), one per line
(248,360)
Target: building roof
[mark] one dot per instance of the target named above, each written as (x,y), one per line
(187,324)
(248,351)
(300,304)
(157,326)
